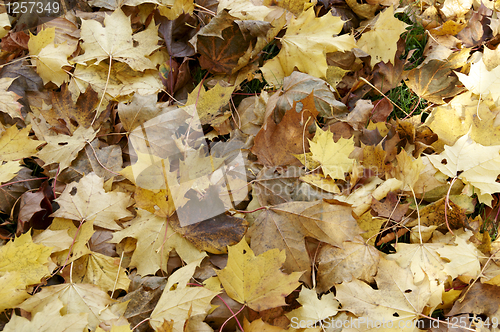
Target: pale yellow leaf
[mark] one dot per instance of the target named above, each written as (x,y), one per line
(8,99)
(179,301)
(77,299)
(49,57)
(87,201)
(397,298)
(314,309)
(481,81)
(472,162)
(115,41)
(81,238)
(381,41)
(49,320)
(101,270)
(8,170)
(154,243)
(63,149)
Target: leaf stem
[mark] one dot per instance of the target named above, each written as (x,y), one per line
(234,315)
(257,209)
(14,182)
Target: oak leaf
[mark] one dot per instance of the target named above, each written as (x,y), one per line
(257,281)
(87,201)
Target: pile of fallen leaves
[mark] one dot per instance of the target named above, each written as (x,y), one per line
(145,186)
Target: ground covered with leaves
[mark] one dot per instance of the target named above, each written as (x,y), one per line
(251,166)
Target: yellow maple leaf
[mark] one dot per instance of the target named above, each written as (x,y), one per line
(178,301)
(172,9)
(81,238)
(381,41)
(50,58)
(333,157)
(122,82)
(15,144)
(209,102)
(63,149)
(305,44)
(257,281)
(154,243)
(8,99)
(8,170)
(4,22)
(87,201)
(407,170)
(77,299)
(12,290)
(397,298)
(115,41)
(482,81)
(314,309)
(101,270)
(26,257)
(49,319)
(473,163)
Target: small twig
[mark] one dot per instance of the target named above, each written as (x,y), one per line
(462,297)
(205,9)
(104,91)
(447,201)
(117,274)
(17,60)
(140,323)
